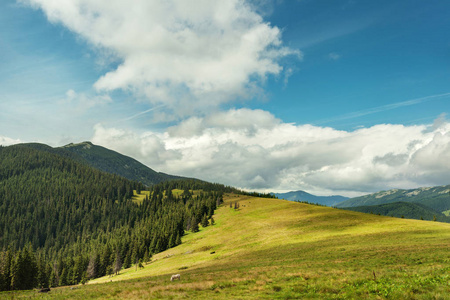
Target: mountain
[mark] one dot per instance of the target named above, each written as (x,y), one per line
(109,161)
(436,198)
(302,196)
(406,210)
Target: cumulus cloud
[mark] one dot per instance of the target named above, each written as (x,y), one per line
(254,150)
(190,55)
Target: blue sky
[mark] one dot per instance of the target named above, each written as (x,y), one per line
(242,93)
(360,55)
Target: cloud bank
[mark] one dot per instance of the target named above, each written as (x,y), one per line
(189,55)
(254,150)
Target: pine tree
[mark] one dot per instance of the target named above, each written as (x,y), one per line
(127,260)
(92,267)
(178,240)
(63,278)
(171,242)
(6,259)
(147,256)
(194,225)
(117,264)
(205,222)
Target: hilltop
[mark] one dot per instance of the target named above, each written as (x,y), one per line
(277,249)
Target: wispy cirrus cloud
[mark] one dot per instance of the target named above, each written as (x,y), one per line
(384,108)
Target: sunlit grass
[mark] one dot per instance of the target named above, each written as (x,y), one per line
(139,198)
(275,249)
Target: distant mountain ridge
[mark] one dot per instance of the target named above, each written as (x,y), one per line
(108,161)
(307,197)
(436,198)
(409,210)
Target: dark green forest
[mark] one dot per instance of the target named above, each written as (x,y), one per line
(63,222)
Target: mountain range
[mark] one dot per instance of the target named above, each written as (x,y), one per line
(427,203)
(436,198)
(303,196)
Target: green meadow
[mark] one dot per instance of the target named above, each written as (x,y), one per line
(139,197)
(277,249)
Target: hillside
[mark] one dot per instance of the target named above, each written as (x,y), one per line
(436,198)
(276,249)
(303,196)
(402,210)
(62,221)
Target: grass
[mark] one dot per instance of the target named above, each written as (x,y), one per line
(139,198)
(275,249)
(447,213)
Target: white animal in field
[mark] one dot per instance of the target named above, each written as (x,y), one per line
(176,276)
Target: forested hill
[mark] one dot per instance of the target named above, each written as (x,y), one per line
(108,161)
(63,222)
(436,198)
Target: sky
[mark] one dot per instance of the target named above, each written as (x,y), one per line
(342,97)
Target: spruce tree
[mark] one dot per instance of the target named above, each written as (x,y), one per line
(205,222)
(178,240)
(117,264)
(194,225)
(92,267)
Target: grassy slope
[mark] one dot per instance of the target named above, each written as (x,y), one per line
(279,249)
(139,198)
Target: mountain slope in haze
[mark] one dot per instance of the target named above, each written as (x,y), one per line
(303,196)
(407,210)
(436,198)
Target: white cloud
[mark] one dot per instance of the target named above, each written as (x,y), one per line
(190,55)
(82,102)
(6,141)
(254,150)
